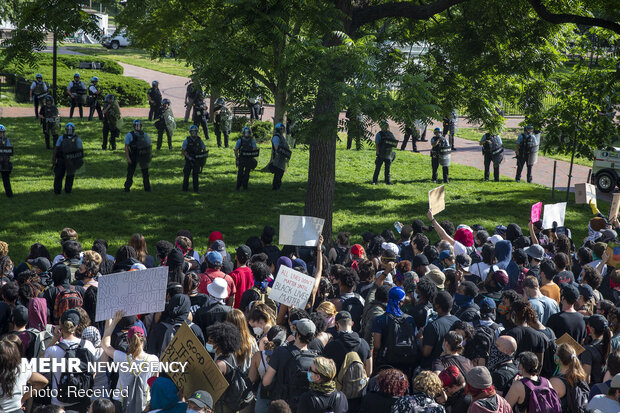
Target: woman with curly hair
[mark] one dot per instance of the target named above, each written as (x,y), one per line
(13,379)
(323,396)
(224,341)
(384,390)
(426,387)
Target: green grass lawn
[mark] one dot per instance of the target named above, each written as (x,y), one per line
(509,138)
(98,208)
(7,98)
(134,57)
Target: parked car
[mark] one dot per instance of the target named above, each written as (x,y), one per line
(606,169)
(118,39)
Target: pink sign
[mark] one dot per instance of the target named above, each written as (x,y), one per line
(536,210)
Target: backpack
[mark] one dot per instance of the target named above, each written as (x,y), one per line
(352,378)
(543,398)
(330,409)
(294,381)
(355,306)
(66,299)
(549,367)
(171,330)
(341,255)
(239,393)
(480,344)
(400,345)
(576,396)
(264,297)
(39,338)
(137,391)
(74,380)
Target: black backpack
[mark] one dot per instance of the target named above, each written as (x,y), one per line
(355,306)
(481,342)
(239,393)
(341,255)
(294,381)
(576,396)
(74,380)
(399,347)
(549,367)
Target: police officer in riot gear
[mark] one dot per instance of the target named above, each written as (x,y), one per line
(165,123)
(68,157)
(493,151)
(527,152)
(195,153)
(6,151)
(94,92)
(385,142)
(77,91)
(154,96)
(38,90)
(280,155)
(201,116)
(111,118)
(411,132)
(246,153)
(138,152)
(440,155)
(222,121)
(50,120)
(449,126)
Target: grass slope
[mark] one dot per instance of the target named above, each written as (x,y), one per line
(98,208)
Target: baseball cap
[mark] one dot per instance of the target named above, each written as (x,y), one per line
(214,257)
(343,315)
(586,291)
(597,321)
(135,330)
(243,252)
(215,235)
(20,315)
(357,250)
(500,230)
(41,263)
(390,246)
(500,276)
(608,235)
(201,399)
(615,382)
(437,277)
(218,245)
(464,261)
(444,254)
(72,316)
(419,227)
(419,260)
(487,304)
(304,326)
(570,292)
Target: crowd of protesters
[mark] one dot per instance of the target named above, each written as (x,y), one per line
(483,320)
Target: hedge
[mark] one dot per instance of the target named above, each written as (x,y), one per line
(69,62)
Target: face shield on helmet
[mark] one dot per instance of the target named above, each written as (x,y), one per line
(2,131)
(247,132)
(69,128)
(154,83)
(94,79)
(193,130)
(437,131)
(39,76)
(137,125)
(280,127)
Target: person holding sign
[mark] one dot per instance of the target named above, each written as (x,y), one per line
(385,142)
(195,153)
(67,158)
(6,151)
(440,155)
(246,153)
(280,155)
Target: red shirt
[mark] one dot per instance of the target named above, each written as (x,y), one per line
(244,280)
(208,276)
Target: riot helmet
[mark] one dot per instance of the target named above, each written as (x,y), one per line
(109,98)
(154,83)
(2,131)
(165,102)
(94,79)
(137,125)
(247,132)
(193,130)
(49,100)
(220,101)
(280,128)
(76,75)
(384,125)
(529,128)
(437,131)
(69,128)
(39,76)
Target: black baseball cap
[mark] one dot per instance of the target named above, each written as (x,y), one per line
(343,315)
(201,399)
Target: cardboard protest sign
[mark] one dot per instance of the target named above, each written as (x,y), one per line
(200,373)
(566,338)
(535,213)
(136,292)
(291,288)
(300,230)
(584,193)
(613,252)
(554,213)
(615,205)
(437,200)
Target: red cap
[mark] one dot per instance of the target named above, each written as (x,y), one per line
(151,380)
(357,250)
(135,330)
(464,236)
(449,375)
(214,236)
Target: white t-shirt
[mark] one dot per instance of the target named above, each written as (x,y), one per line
(124,378)
(480,269)
(14,402)
(58,353)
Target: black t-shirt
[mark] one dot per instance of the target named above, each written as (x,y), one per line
(433,336)
(344,343)
(594,357)
(5,316)
(197,301)
(375,402)
(315,402)
(420,312)
(528,339)
(571,323)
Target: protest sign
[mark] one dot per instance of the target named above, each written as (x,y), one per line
(554,213)
(535,213)
(584,193)
(200,373)
(291,288)
(566,338)
(299,230)
(135,292)
(613,252)
(436,200)
(615,205)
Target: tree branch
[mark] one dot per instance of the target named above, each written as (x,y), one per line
(546,15)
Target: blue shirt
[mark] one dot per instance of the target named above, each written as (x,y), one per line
(129,138)
(8,142)
(520,138)
(484,138)
(78,143)
(202,144)
(238,144)
(275,141)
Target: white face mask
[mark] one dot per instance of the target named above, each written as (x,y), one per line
(192,411)
(415,295)
(258,331)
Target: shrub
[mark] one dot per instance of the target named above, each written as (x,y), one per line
(262,131)
(237,123)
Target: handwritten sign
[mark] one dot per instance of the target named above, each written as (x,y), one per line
(437,200)
(615,205)
(300,230)
(554,213)
(613,252)
(584,193)
(201,372)
(291,288)
(567,339)
(536,211)
(136,292)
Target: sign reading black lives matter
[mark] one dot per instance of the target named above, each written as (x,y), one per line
(291,288)
(136,292)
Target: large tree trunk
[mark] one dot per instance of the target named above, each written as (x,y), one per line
(280,97)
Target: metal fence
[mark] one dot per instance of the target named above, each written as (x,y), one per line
(513,109)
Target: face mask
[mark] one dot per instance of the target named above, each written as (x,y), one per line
(192,411)
(330,320)
(503,309)
(209,348)
(415,295)
(310,377)
(461,299)
(258,331)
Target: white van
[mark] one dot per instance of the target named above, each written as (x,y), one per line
(606,169)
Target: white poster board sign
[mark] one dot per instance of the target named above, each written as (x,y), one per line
(554,212)
(291,288)
(584,193)
(299,230)
(437,200)
(136,292)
